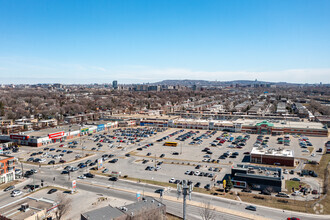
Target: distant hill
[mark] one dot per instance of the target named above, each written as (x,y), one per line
(188,82)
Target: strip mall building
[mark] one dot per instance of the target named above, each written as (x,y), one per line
(55,135)
(271,127)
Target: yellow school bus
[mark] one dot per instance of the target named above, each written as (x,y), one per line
(172,144)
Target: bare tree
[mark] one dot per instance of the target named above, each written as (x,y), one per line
(63,206)
(206,212)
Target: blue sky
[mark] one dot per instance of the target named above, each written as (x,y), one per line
(136,41)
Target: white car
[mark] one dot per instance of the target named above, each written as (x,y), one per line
(81,177)
(187,172)
(172,180)
(16,192)
(196,173)
(42,160)
(313,155)
(307,151)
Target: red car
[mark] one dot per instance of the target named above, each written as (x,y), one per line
(293,218)
(61,145)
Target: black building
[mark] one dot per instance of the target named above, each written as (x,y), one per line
(257,177)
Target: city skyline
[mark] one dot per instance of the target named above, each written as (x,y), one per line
(148,41)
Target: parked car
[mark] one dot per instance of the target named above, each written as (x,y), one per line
(284,195)
(172,180)
(207,187)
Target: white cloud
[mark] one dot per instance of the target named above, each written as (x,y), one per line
(20,70)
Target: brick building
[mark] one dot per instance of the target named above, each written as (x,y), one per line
(272,156)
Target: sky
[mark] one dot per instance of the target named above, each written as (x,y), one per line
(141,41)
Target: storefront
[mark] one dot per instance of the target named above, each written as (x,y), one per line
(264,127)
(56,137)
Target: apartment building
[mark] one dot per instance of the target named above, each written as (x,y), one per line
(7,169)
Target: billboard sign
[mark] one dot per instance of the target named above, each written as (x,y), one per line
(19,137)
(74,185)
(84,130)
(100,127)
(56,135)
(99,163)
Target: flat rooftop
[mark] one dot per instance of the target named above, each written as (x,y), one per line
(3,157)
(272,152)
(143,116)
(45,132)
(12,210)
(284,124)
(269,172)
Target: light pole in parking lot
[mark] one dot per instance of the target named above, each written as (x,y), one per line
(180,148)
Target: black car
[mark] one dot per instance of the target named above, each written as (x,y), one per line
(28,174)
(9,188)
(175,153)
(162,155)
(113,161)
(159,191)
(198,184)
(251,207)
(207,186)
(51,162)
(65,172)
(265,192)
(145,161)
(113,178)
(89,175)
(51,191)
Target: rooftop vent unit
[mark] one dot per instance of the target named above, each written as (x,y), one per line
(24,207)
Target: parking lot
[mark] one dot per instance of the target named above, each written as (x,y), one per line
(200,155)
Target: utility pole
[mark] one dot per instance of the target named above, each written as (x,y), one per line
(185,190)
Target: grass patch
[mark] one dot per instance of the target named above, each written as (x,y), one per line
(319,168)
(280,203)
(295,184)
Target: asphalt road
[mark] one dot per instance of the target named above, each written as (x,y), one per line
(102,183)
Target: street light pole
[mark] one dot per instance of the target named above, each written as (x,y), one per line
(185,190)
